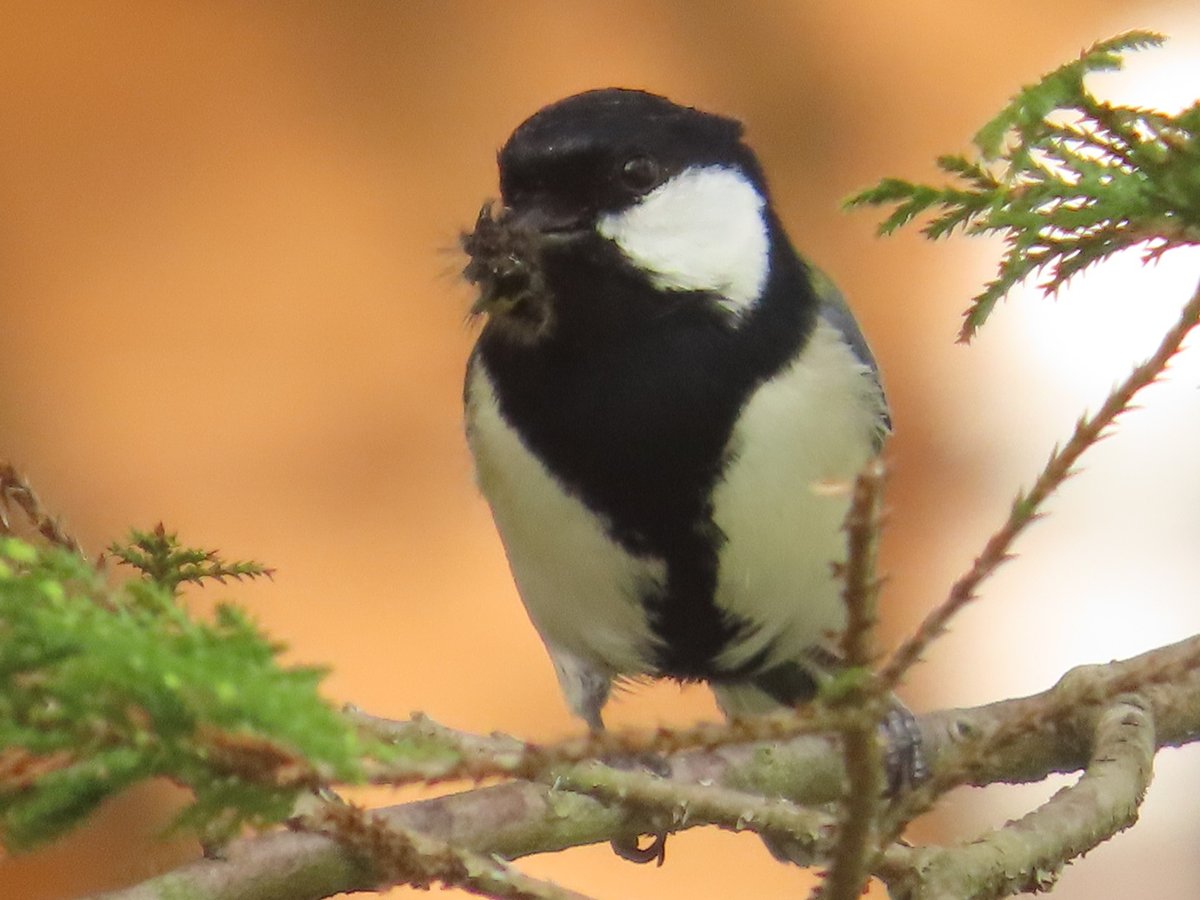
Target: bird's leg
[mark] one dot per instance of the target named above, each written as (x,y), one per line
(587,689)
(629,846)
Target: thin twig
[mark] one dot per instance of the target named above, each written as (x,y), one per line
(403,856)
(805,831)
(1026,508)
(855,847)
(861,585)
(449,755)
(15,491)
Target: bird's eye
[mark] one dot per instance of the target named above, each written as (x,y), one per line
(640,174)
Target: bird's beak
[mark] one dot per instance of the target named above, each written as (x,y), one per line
(549,224)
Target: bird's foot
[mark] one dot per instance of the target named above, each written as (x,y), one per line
(630,848)
(903,756)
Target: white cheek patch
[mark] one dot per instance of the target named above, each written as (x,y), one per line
(702,230)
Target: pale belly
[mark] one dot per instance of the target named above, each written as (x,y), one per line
(780,504)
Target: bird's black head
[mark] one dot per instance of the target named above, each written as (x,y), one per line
(602,151)
(626,198)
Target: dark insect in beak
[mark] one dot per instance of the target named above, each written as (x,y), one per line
(498,261)
(504,262)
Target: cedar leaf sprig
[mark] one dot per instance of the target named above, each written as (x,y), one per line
(1066,178)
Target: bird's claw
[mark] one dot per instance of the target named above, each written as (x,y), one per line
(904,760)
(629,848)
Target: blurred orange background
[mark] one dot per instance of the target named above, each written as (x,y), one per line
(229,302)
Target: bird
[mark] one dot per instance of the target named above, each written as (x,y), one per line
(665,406)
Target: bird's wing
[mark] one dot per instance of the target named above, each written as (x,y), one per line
(836,312)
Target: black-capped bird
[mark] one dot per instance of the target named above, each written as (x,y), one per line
(665,406)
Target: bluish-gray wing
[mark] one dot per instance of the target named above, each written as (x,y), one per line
(836,312)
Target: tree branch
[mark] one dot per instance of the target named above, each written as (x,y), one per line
(405,856)
(1013,741)
(1029,854)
